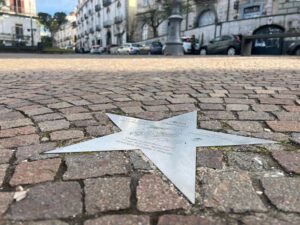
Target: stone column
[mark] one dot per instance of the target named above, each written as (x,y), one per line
(174,44)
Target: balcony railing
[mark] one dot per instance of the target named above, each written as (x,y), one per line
(118,30)
(118,19)
(14,37)
(106,3)
(16,10)
(97,7)
(107,23)
(91,30)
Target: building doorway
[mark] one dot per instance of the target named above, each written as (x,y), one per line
(271,46)
(108,38)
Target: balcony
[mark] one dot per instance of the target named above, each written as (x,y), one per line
(92,30)
(97,7)
(86,32)
(118,19)
(106,3)
(86,16)
(107,23)
(90,11)
(118,30)
(98,28)
(82,19)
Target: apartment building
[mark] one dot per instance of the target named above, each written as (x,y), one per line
(18,23)
(65,37)
(210,18)
(105,22)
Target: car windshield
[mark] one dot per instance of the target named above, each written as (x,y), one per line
(156,44)
(136,45)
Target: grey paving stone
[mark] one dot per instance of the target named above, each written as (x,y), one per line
(120,220)
(263,219)
(3,168)
(290,161)
(66,135)
(283,192)
(34,152)
(49,201)
(229,191)
(107,194)
(5,155)
(250,161)
(35,172)
(210,158)
(82,166)
(138,161)
(54,125)
(249,126)
(97,131)
(6,199)
(189,220)
(154,194)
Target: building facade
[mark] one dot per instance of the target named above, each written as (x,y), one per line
(210,18)
(18,23)
(105,22)
(65,37)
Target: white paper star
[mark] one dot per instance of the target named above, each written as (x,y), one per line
(170,144)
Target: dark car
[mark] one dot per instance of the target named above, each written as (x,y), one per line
(156,48)
(294,48)
(226,44)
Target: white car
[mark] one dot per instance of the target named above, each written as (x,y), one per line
(129,49)
(187,45)
(96,49)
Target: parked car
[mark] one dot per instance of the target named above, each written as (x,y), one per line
(96,49)
(226,44)
(129,49)
(145,49)
(187,45)
(294,48)
(156,48)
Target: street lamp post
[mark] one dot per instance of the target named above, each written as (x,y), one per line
(174,44)
(31,25)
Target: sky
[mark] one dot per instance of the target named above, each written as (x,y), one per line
(52,6)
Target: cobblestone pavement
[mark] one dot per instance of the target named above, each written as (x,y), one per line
(50,101)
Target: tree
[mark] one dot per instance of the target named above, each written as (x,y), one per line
(52,23)
(158,12)
(60,18)
(45,19)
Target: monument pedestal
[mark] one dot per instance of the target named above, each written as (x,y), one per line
(174,43)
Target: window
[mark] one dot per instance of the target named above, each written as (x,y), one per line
(206,18)
(19,31)
(119,9)
(145,32)
(253,8)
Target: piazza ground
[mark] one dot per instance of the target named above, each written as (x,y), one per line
(55,100)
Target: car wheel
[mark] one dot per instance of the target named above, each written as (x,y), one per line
(203,51)
(231,51)
(297,52)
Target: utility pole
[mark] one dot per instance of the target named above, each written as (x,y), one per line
(31,25)
(174,44)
